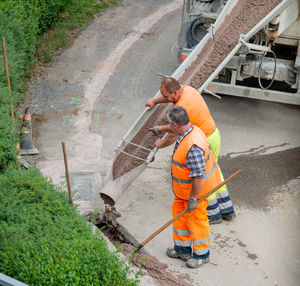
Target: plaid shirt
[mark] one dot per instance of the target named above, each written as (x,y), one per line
(195,158)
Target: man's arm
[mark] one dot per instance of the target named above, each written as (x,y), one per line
(151,102)
(197,184)
(195,161)
(160,129)
(159,143)
(166,128)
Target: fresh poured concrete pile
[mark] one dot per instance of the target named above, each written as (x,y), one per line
(243,17)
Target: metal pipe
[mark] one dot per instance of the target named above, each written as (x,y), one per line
(9,281)
(128,154)
(154,150)
(255,47)
(212,93)
(142,147)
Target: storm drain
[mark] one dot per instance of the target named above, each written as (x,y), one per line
(85,185)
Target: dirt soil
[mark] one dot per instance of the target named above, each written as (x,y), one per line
(215,51)
(106,221)
(154,267)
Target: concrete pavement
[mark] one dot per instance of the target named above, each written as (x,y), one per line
(259,247)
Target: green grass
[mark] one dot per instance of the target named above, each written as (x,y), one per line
(60,35)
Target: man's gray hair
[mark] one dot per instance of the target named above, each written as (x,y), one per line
(178,115)
(170,84)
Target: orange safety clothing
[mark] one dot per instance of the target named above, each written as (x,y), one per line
(219,203)
(182,183)
(191,229)
(197,109)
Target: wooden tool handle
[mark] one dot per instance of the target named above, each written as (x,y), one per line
(183,212)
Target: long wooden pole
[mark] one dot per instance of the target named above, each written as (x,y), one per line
(67,171)
(183,212)
(8,79)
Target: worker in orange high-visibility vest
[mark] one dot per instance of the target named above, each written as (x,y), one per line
(219,204)
(194,174)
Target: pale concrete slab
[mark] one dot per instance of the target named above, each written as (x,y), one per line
(261,246)
(257,248)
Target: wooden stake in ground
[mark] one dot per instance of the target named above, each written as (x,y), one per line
(8,79)
(67,171)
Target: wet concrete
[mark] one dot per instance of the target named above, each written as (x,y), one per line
(260,175)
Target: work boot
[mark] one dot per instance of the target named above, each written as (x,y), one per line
(196,263)
(228,216)
(215,220)
(171,252)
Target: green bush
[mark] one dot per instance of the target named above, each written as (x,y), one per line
(20,37)
(44,241)
(8,135)
(49,10)
(21,21)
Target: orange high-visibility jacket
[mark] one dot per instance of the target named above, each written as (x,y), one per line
(182,183)
(197,110)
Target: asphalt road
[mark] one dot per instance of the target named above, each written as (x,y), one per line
(98,88)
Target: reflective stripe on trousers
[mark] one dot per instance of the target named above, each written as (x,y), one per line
(223,204)
(213,210)
(191,229)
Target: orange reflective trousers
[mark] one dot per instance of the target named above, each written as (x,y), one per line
(191,229)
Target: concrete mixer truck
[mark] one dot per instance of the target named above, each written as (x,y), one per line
(266,67)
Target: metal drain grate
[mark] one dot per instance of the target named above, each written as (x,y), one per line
(85,185)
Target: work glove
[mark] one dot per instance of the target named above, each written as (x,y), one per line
(155,130)
(192,204)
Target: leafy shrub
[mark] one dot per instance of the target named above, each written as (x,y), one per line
(8,135)
(20,33)
(21,21)
(44,241)
(49,10)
